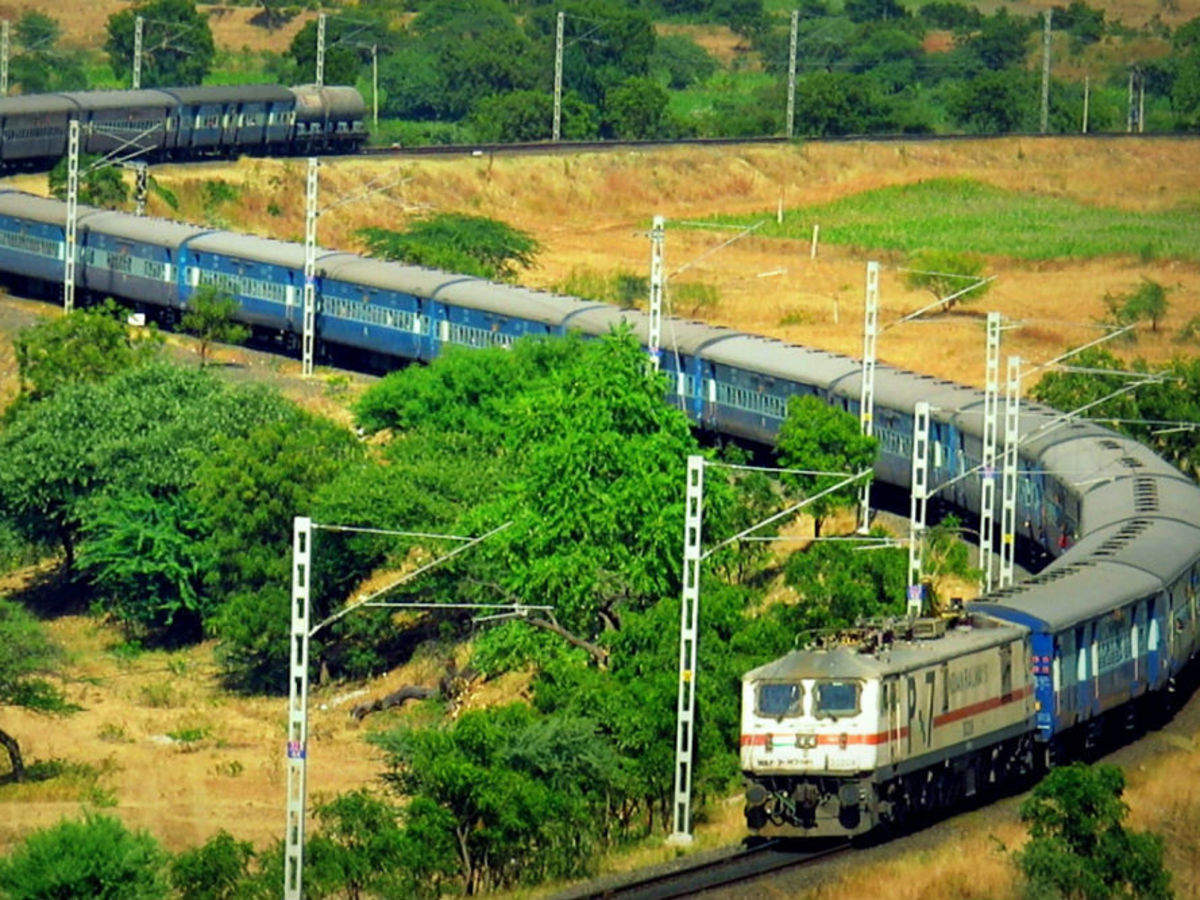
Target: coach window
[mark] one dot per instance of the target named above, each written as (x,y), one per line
(780,699)
(836,699)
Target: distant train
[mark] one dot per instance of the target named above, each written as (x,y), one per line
(183,123)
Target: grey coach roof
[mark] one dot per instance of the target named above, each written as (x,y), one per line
(34,104)
(39,209)
(119,99)
(162,232)
(231,93)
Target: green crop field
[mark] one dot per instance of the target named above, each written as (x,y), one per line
(966,215)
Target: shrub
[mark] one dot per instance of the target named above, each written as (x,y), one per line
(214,870)
(96,858)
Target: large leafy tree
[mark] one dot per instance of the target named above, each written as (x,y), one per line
(27,656)
(816,437)
(635,109)
(40,66)
(347,48)
(841,585)
(99,184)
(177,43)
(469,245)
(528,116)
(1078,845)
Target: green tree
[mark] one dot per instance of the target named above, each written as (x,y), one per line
(999,43)
(27,655)
(1185,90)
(817,437)
(841,585)
(347,47)
(39,66)
(945,273)
(99,185)
(840,103)
(96,857)
(361,849)
(1078,846)
(469,245)
(989,103)
(1146,302)
(216,870)
(177,43)
(145,558)
(211,316)
(528,116)
(84,345)
(635,109)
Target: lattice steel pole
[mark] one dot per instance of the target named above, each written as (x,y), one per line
(4,52)
(918,502)
(297,736)
(987,476)
(320,74)
(558,76)
(69,252)
(791,85)
(689,618)
(658,286)
(866,398)
(310,269)
(1008,502)
(139,25)
(141,186)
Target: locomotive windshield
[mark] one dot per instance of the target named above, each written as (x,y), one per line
(780,699)
(836,698)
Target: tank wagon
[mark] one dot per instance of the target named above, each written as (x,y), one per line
(1110,623)
(183,123)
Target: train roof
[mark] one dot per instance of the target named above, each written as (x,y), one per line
(684,335)
(39,209)
(146,230)
(501,299)
(336,100)
(780,360)
(255,249)
(119,99)
(26,104)
(894,658)
(1071,591)
(1162,547)
(230,93)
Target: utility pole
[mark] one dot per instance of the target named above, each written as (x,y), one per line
(321,50)
(658,286)
(918,501)
(1141,101)
(141,184)
(138,27)
(72,215)
(1087,96)
(791,86)
(1129,106)
(310,268)
(375,84)
(558,73)
(987,480)
(1046,41)
(4,51)
(297,733)
(689,617)
(1008,503)
(866,397)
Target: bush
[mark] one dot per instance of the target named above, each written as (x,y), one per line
(95,858)
(468,245)
(946,272)
(213,871)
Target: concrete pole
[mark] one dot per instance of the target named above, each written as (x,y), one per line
(375,84)
(658,286)
(556,134)
(918,503)
(138,27)
(4,53)
(310,268)
(1046,41)
(69,249)
(1141,102)
(297,734)
(321,50)
(791,85)
(1129,106)
(689,617)
(1087,96)
(866,397)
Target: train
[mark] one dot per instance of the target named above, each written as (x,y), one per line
(183,122)
(836,739)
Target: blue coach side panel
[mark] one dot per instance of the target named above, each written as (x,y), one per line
(133,257)
(32,235)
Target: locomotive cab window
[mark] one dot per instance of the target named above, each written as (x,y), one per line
(780,699)
(835,699)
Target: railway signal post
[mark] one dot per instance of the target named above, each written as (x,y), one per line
(139,25)
(556,131)
(141,183)
(791,85)
(866,399)
(658,286)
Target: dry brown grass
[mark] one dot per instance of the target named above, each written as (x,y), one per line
(591,210)
(720,42)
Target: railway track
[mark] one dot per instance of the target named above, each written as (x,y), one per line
(705,871)
(539,147)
